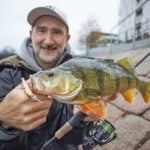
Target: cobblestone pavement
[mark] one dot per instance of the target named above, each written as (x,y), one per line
(132,122)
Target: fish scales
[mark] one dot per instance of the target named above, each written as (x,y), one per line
(91,74)
(101,77)
(87,75)
(108,75)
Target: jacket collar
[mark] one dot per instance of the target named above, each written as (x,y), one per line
(26,54)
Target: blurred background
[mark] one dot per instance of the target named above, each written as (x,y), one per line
(97,27)
(101,14)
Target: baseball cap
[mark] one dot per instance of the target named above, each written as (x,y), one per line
(35,13)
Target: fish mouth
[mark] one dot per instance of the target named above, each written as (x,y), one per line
(65,98)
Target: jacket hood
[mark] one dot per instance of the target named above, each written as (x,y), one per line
(26,53)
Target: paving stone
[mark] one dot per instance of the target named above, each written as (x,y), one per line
(146,146)
(136,55)
(130,129)
(113,113)
(146,115)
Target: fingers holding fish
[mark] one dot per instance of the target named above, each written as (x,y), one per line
(28,88)
(110,98)
(17,112)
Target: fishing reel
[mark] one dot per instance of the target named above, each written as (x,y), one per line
(99,133)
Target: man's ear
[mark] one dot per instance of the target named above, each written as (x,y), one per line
(68,37)
(30,33)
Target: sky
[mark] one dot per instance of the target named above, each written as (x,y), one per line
(14,27)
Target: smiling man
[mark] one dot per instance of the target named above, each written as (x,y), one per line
(24,123)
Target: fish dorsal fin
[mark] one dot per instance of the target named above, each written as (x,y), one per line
(127,63)
(129,96)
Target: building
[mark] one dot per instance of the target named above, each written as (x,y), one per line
(109,38)
(134,21)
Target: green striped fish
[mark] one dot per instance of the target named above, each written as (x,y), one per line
(84,80)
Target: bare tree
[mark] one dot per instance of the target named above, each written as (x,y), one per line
(90,34)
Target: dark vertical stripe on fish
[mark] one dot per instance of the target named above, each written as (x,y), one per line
(100,78)
(137,82)
(79,72)
(128,78)
(116,76)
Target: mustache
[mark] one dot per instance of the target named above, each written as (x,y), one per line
(49,47)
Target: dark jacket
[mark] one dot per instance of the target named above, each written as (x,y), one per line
(11,71)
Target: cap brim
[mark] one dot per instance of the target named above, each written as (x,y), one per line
(42,11)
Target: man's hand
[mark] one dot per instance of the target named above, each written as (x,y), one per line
(19,111)
(110,98)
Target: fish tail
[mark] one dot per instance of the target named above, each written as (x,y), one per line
(144,89)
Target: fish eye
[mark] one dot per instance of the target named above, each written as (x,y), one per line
(50,74)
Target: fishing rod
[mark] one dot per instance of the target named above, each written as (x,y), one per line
(142,60)
(98,133)
(75,121)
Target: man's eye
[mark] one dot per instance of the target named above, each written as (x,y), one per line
(57,32)
(42,31)
(50,74)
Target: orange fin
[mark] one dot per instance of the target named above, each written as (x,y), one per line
(129,96)
(96,107)
(146,93)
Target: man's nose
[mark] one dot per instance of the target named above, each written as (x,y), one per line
(48,39)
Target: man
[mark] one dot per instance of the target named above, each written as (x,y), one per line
(25,124)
